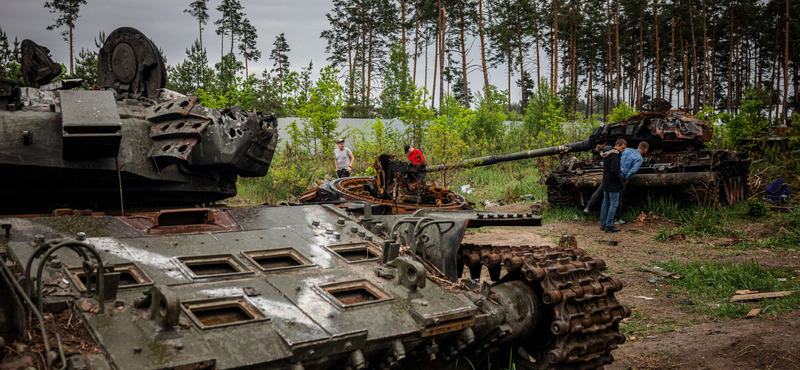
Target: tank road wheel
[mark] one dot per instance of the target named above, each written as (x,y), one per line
(558,197)
(707,193)
(576,314)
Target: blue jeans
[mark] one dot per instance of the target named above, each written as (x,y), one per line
(610,201)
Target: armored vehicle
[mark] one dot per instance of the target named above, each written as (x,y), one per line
(398,187)
(152,277)
(677,162)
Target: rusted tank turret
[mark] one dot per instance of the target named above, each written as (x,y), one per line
(171,282)
(677,162)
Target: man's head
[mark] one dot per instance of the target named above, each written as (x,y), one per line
(340,144)
(643,147)
(620,145)
(407,148)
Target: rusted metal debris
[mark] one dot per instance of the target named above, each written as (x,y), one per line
(398,187)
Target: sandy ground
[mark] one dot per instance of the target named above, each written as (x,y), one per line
(674,338)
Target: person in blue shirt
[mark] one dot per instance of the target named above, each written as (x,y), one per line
(630,161)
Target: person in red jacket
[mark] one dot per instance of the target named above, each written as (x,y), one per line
(414,155)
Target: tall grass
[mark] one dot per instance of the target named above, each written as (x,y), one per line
(711,283)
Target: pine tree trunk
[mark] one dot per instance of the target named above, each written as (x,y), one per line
(435,62)
(369,67)
(589,99)
(616,25)
(730,66)
(442,46)
(200,26)
(483,49)
(776,69)
(403,25)
(706,79)
(463,57)
(416,45)
(609,71)
(658,55)
(555,47)
(694,60)
(523,101)
(71,48)
(640,63)
(685,62)
(672,62)
(786,66)
(538,70)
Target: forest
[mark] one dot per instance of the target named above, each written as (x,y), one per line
(575,64)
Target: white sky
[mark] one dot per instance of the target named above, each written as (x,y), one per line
(302,22)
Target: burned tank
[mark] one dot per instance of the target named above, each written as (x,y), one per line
(676,164)
(153,277)
(398,187)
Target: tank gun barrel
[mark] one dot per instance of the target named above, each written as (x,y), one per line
(581,146)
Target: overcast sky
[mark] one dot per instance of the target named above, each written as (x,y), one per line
(172,30)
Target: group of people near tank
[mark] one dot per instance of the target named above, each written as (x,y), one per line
(620,163)
(344,158)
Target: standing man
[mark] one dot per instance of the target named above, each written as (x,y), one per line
(414,155)
(630,161)
(612,185)
(344,159)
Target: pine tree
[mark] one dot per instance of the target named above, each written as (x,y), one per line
(86,64)
(231,17)
(67,11)
(280,59)
(199,10)
(9,68)
(247,47)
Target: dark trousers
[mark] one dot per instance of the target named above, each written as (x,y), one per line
(597,197)
(343,173)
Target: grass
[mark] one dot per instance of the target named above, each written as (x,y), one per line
(713,283)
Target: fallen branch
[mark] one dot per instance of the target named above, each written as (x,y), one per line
(663,273)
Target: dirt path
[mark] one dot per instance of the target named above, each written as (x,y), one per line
(666,335)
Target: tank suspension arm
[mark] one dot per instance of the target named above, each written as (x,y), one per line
(580,146)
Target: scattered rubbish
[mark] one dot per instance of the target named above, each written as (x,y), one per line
(645,218)
(753,313)
(677,237)
(612,243)
(489,203)
(686,302)
(632,338)
(643,297)
(781,279)
(467,189)
(713,305)
(661,272)
(651,337)
(537,208)
(757,296)
(568,241)
(527,197)
(655,280)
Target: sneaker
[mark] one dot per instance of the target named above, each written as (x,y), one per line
(602,227)
(613,229)
(620,222)
(586,211)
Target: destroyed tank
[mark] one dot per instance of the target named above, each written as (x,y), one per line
(398,187)
(153,277)
(677,163)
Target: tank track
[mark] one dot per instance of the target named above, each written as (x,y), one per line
(580,314)
(557,197)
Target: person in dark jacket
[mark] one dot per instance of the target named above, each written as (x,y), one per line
(612,185)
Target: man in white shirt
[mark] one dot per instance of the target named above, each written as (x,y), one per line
(344,159)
